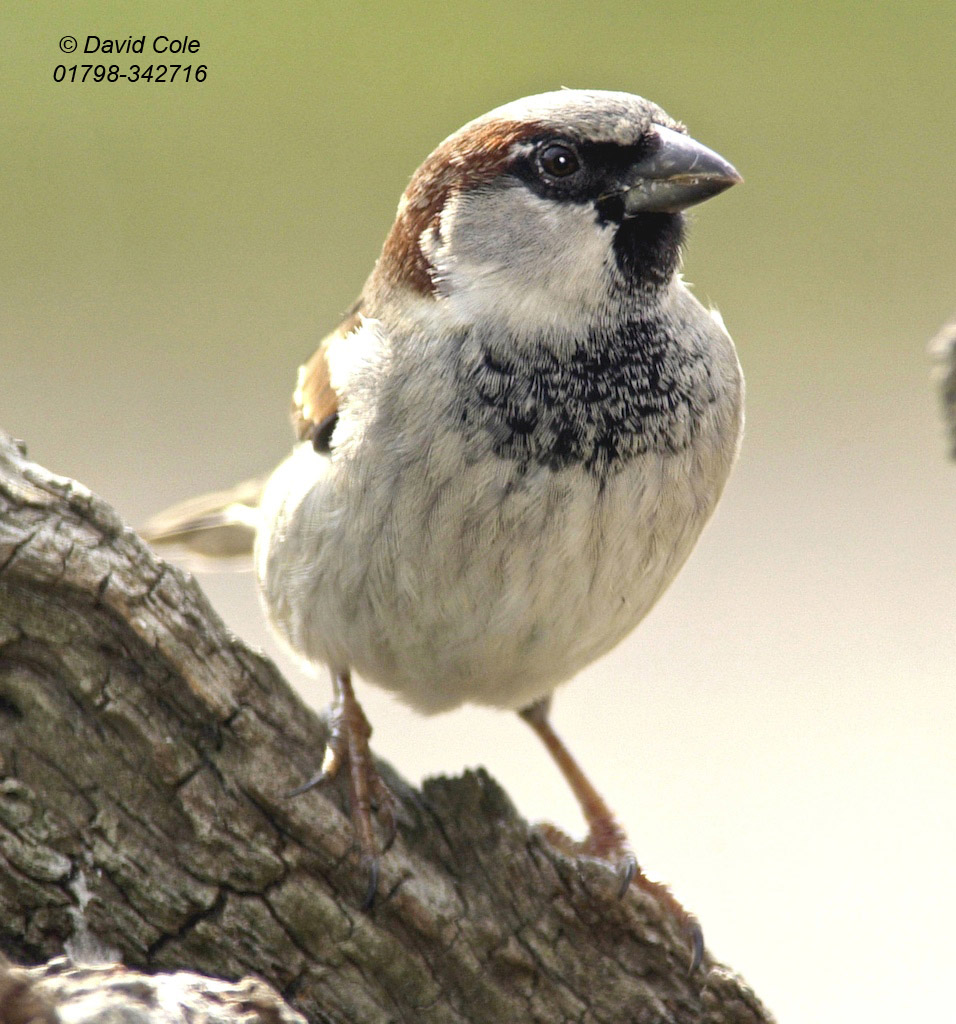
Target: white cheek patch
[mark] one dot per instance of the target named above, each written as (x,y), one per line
(532,264)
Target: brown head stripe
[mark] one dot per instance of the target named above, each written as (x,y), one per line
(462,161)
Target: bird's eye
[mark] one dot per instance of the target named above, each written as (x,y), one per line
(558,160)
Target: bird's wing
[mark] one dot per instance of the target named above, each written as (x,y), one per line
(222,525)
(314,401)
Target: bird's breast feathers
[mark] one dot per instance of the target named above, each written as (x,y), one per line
(489,552)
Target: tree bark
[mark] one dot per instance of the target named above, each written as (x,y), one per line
(60,991)
(145,758)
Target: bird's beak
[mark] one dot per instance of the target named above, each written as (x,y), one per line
(679,173)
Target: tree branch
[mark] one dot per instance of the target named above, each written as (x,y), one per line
(145,754)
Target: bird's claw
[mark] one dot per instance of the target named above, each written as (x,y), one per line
(610,844)
(626,870)
(370,866)
(695,939)
(348,746)
(689,925)
(311,783)
(336,753)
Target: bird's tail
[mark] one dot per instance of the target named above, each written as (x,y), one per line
(216,527)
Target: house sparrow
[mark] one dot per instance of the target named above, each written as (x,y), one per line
(510,446)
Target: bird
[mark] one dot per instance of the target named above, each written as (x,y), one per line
(509,447)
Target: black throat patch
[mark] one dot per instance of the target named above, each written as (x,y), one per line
(613,397)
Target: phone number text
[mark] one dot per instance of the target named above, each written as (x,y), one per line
(158,73)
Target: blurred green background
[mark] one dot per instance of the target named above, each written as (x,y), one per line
(778,736)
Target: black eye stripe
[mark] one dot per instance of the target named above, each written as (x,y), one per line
(592,172)
(602,157)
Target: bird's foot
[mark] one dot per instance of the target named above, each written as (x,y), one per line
(348,745)
(607,841)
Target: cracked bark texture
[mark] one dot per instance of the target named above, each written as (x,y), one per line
(145,754)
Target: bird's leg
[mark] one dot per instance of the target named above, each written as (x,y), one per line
(349,733)
(606,838)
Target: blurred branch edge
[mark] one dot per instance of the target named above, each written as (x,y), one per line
(145,758)
(942,350)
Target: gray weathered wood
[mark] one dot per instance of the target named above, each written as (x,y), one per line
(145,754)
(61,991)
